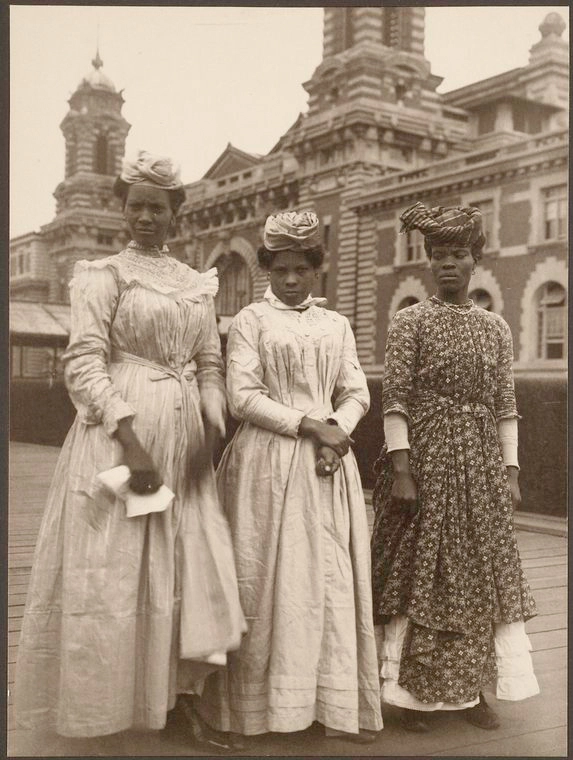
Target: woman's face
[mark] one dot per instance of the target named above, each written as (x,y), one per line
(452,267)
(292,277)
(148,214)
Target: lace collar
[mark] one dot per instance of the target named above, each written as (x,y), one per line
(457,308)
(278,304)
(147,250)
(159,272)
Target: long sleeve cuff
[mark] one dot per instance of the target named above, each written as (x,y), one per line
(266,413)
(396,431)
(348,415)
(507,434)
(116,410)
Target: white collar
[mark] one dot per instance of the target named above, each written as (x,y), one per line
(278,304)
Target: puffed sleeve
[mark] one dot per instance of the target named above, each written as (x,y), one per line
(351,398)
(210,368)
(247,395)
(504,399)
(94,295)
(401,362)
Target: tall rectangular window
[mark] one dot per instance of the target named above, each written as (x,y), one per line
(15,361)
(487,213)
(414,247)
(555,212)
(551,321)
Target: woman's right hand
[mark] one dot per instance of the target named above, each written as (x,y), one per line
(144,476)
(405,492)
(325,435)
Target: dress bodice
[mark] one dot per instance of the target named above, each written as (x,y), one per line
(458,352)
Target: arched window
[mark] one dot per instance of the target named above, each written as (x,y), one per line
(408,301)
(482,299)
(235,285)
(101,155)
(551,321)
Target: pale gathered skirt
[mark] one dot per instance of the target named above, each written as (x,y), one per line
(122,612)
(100,644)
(302,554)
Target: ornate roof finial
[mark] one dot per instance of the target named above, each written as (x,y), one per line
(97,62)
(553,23)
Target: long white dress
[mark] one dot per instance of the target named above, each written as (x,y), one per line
(301,541)
(120,610)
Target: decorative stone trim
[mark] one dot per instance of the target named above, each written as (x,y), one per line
(550,270)
(486,280)
(410,286)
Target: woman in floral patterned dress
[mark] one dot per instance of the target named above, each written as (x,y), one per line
(447,579)
(125,613)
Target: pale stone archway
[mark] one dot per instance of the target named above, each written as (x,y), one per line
(410,287)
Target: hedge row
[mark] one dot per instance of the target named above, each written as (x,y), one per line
(542,404)
(40,414)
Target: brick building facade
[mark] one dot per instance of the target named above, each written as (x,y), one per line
(376,137)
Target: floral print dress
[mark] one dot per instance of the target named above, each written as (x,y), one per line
(453,570)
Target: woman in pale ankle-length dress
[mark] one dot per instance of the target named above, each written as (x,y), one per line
(447,578)
(124,613)
(291,490)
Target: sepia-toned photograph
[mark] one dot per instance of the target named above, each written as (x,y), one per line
(288,381)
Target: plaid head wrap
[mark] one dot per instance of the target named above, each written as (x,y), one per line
(444,226)
(151,170)
(291,230)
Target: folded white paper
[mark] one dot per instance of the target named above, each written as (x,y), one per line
(117,480)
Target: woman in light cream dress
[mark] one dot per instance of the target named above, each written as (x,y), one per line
(124,613)
(290,488)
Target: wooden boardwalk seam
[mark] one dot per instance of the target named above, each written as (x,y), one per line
(535,727)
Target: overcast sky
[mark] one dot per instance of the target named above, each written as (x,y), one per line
(195,79)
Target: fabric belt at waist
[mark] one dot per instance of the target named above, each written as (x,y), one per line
(185,375)
(449,404)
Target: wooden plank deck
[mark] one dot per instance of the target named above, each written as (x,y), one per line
(536,727)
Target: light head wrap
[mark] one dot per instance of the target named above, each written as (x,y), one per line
(291,231)
(151,170)
(445,226)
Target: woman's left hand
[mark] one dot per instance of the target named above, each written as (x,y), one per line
(327,461)
(512,476)
(213,411)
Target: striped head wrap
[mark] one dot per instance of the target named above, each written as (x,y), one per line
(444,226)
(291,231)
(151,170)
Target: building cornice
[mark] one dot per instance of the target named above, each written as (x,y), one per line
(545,152)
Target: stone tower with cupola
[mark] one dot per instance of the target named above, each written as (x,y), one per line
(88,220)
(373,110)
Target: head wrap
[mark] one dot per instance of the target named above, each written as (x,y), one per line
(291,230)
(151,170)
(444,226)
